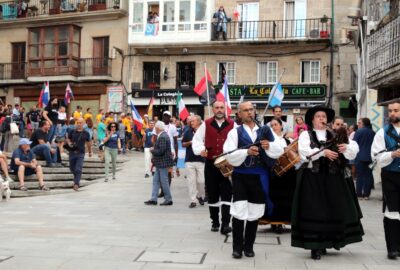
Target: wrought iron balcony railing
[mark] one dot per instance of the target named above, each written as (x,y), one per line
(87,67)
(12,71)
(384,48)
(277,29)
(15,9)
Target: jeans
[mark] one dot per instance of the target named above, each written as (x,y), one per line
(110,153)
(76,165)
(52,133)
(22,129)
(365,179)
(123,141)
(44,150)
(161,177)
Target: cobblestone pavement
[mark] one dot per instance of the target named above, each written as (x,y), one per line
(107,226)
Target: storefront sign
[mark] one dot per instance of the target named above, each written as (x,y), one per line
(162,93)
(261,92)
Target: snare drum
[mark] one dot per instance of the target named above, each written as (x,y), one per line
(223,165)
(288,159)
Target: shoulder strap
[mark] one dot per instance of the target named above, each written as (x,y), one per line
(390,134)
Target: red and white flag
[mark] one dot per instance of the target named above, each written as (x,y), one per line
(183,112)
(223,95)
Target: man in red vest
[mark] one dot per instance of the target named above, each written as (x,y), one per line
(208,142)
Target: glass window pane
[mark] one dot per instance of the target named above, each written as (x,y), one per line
(49,50)
(262,72)
(49,64)
(137,13)
(63,34)
(62,62)
(35,36)
(75,50)
(200,12)
(49,35)
(184,11)
(34,51)
(35,64)
(63,49)
(169,11)
(76,35)
(305,71)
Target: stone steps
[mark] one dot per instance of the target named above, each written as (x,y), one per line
(60,180)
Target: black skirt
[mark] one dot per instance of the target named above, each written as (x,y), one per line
(281,193)
(325,211)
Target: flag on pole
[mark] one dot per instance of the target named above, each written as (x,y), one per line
(201,88)
(150,107)
(276,96)
(223,95)
(137,119)
(68,95)
(44,97)
(183,112)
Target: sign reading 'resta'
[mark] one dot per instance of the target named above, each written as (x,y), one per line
(255,92)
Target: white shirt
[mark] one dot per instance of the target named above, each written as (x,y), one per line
(238,157)
(62,115)
(306,150)
(199,137)
(384,159)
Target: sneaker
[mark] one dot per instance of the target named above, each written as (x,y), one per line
(44,188)
(201,201)
(165,203)
(1,179)
(9,179)
(76,187)
(106,179)
(146,175)
(150,202)
(192,205)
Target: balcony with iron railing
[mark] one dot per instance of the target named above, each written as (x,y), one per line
(384,53)
(272,29)
(25,9)
(83,69)
(143,33)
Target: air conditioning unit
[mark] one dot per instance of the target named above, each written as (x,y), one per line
(314,33)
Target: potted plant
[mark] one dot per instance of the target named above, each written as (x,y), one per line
(323,33)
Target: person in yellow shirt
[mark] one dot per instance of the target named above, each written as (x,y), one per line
(88,115)
(127,121)
(99,116)
(109,118)
(78,113)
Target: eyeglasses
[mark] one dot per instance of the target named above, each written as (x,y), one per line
(113,126)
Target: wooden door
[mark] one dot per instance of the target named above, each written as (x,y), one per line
(18,60)
(100,55)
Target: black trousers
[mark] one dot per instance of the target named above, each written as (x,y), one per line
(391,201)
(219,191)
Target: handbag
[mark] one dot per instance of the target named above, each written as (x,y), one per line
(14,128)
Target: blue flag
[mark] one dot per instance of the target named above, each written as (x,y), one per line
(276,96)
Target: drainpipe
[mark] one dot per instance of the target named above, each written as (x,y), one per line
(330,94)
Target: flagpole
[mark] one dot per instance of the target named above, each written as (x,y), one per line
(272,94)
(208,92)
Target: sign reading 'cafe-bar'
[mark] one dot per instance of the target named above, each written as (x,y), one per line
(294,92)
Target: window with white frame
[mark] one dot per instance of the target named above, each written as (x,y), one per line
(267,72)
(310,72)
(137,17)
(226,70)
(184,15)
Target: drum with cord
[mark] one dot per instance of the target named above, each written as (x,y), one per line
(223,165)
(288,159)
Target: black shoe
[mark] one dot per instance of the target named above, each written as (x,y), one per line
(225,229)
(150,202)
(249,254)
(279,229)
(164,203)
(161,195)
(201,201)
(205,199)
(237,254)
(324,252)
(316,254)
(146,175)
(192,205)
(215,228)
(392,255)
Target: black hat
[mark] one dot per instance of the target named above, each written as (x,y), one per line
(330,114)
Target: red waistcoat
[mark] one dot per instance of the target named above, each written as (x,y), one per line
(216,136)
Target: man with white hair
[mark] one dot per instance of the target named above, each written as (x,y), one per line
(162,160)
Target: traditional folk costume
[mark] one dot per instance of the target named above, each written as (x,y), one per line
(250,182)
(281,192)
(325,211)
(211,136)
(389,138)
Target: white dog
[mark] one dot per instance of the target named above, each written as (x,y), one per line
(5,190)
